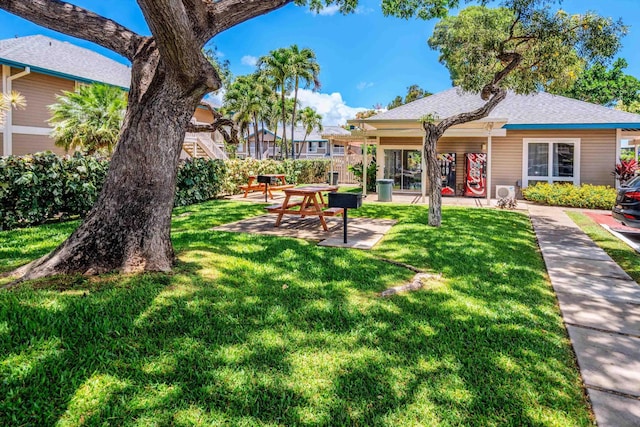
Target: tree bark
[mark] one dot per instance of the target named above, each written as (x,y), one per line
(433,173)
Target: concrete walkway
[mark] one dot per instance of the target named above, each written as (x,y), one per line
(600,305)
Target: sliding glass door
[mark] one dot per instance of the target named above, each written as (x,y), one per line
(405,168)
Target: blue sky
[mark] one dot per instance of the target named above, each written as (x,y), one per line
(365,58)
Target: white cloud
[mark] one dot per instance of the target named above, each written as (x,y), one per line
(331,107)
(363,85)
(249,60)
(328,11)
(216,98)
(360,10)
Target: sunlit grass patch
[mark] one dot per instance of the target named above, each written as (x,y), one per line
(262,330)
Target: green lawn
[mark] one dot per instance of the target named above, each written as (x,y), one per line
(261,330)
(622,254)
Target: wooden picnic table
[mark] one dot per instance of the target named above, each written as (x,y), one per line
(253,186)
(312,203)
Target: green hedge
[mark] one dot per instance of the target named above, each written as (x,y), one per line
(199,180)
(586,196)
(43,186)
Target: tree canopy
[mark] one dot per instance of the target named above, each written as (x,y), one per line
(414,92)
(605,86)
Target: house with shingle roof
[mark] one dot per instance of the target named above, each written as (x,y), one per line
(524,140)
(41,68)
(316,144)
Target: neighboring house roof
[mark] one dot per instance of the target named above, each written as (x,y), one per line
(537,111)
(63,59)
(315,135)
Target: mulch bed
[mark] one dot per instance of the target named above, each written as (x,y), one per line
(607,219)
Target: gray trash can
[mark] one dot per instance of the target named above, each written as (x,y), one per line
(333,181)
(385,188)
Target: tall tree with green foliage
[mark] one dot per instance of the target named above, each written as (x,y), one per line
(246,98)
(310,120)
(414,92)
(304,69)
(129,227)
(89,119)
(605,86)
(277,67)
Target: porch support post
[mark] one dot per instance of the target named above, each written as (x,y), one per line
(489,163)
(364,167)
(331,142)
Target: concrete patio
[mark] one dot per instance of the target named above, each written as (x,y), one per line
(363,233)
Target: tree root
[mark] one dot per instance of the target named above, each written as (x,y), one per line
(419,280)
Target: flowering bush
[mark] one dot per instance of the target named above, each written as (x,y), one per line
(625,170)
(586,196)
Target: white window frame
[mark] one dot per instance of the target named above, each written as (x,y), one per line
(313,147)
(338,149)
(575,180)
(322,145)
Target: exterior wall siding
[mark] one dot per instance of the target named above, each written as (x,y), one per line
(29,144)
(40,91)
(597,153)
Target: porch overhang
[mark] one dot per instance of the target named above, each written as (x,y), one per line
(413,128)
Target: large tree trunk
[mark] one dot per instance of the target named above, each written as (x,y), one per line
(433,173)
(129,227)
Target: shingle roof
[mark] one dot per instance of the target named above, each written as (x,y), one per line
(63,58)
(538,109)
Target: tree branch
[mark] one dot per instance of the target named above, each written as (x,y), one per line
(179,39)
(224,14)
(498,96)
(77,22)
(219,123)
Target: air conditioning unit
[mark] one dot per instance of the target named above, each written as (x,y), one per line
(505,191)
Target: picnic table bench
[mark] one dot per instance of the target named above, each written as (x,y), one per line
(252,185)
(312,204)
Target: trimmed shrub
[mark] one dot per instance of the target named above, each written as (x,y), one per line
(296,171)
(199,180)
(586,196)
(43,186)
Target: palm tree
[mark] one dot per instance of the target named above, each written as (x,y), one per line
(89,119)
(277,67)
(310,120)
(304,68)
(246,98)
(272,116)
(8,101)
